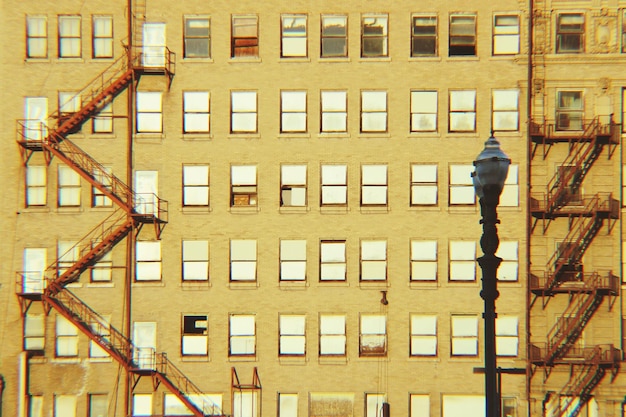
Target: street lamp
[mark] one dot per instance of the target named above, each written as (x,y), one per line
(492,167)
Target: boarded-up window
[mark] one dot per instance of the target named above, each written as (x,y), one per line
(331,404)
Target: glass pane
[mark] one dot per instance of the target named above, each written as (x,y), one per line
(292,250)
(423,271)
(293,174)
(243,174)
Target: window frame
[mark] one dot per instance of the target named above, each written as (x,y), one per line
(241,335)
(100,409)
(331,38)
(500,110)
(569,34)
(375,112)
(419,258)
(102,270)
(240,112)
(508,251)
(330,180)
(294,257)
(286,36)
(376,333)
(243,192)
(36,185)
(102,41)
(296,116)
(74,39)
(34,332)
(461,255)
(102,121)
(382,37)
(246,258)
(190,38)
(244,46)
(372,185)
(104,177)
(195,114)
(562,110)
(460,185)
(65,405)
(35,35)
(285,335)
(459,108)
(66,338)
(510,191)
(333,111)
(287,404)
(151,264)
(146,113)
(331,261)
(374,403)
(198,259)
(426,332)
(420,112)
(287,185)
(370,263)
(503,32)
(68,187)
(464,336)
(197,332)
(429,184)
(332,332)
(424,35)
(504,337)
(196,182)
(462,44)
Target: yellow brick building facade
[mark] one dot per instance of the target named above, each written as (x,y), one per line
(299,230)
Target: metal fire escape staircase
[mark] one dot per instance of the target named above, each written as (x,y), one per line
(133,211)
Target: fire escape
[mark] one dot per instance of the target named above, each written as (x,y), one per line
(132,212)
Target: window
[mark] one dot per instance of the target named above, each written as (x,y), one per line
(103,176)
(510,191)
(570,33)
(294,37)
(287,405)
(67,255)
(197,37)
(507,335)
(242,335)
(69,37)
(292,260)
(246,403)
(505,106)
(624,31)
(149,112)
(423,260)
(210,404)
(423,335)
(148,261)
(142,405)
(458,405)
(195,185)
(36,183)
(101,271)
(373,185)
(462,260)
(464,335)
(69,102)
(36,37)
(103,120)
(243,258)
(243,190)
(244,41)
(293,185)
(373,111)
(243,107)
(373,260)
(66,338)
(506,35)
(374,36)
(332,334)
(34,264)
(508,250)
(292,335)
(424,185)
(419,405)
(334,111)
(424,36)
(423,111)
(195,335)
(293,111)
(98,405)
(197,112)
(462,35)
(331,404)
(334,36)
(68,187)
(35,406)
(333,260)
(569,110)
(34,331)
(334,185)
(374,404)
(461,185)
(373,336)
(102,32)
(462,111)
(195,260)
(102,328)
(509,406)
(65,405)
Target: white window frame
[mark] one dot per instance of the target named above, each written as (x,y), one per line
(374,187)
(36,184)
(373,335)
(373,111)
(293,111)
(294,42)
(462,114)
(197,37)
(70,40)
(334,108)
(373,260)
(243,260)
(424,260)
(102,36)
(462,190)
(507,335)
(423,335)
(424,35)
(148,260)
(462,258)
(374,43)
(69,187)
(506,34)
(332,335)
(292,331)
(292,260)
(243,112)
(194,335)
(196,112)
(293,185)
(463,335)
(424,185)
(505,110)
(195,260)
(196,185)
(242,335)
(149,112)
(424,111)
(243,186)
(336,38)
(333,260)
(462,35)
(36,37)
(334,185)
(66,338)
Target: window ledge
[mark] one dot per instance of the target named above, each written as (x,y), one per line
(245,60)
(294,135)
(505,57)
(42,60)
(375,210)
(333,135)
(195,285)
(139,283)
(328,283)
(293,360)
(68,361)
(423,285)
(196,209)
(106,136)
(71,60)
(463,283)
(374,135)
(293,285)
(463,58)
(194,137)
(295,59)
(35,209)
(99,360)
(466,358)
(425,207)
(103,60)
(375,59)
(294,209)
(463,135)
(69,210)
(334,209)
(244,135)
(424,135)
(244,209)
(100,285)
(196,358)
(374,284)
(156,138)
(37,359)
(243,285)
(242,358)
(198,60)
(424,358)
(333,360)
(425,58)
(335,59)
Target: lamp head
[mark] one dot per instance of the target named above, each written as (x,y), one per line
(492,167)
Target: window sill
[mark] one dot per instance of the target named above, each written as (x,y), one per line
(293,285)
(42,60)
(195,285)
(243,285)
(328,283)
(139,283)
(294,59)
(374,284)
(198,60)
(334,209)
(423,285)
(424,135)
(463,283)
(196,209)
(103,60)
(425,58)
(196,137)
(68,361)
(196,358)
(245,60)
(333,360)
(244,135)
(147,138)
(69,210)
(463,58)
(375,59)
(103,208)
(333,135)
(375,209)
(463,135)
(465,358)
(100,285)
(335,59)
(35,209)
(374,135)
(36,359)
(425,207)
(71,60)
(244,209)
(108,359)
(242,358)
(106,136)
(424,358)
(294,135)
(292,360)
(294,209)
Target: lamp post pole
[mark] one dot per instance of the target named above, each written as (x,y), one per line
(492,166)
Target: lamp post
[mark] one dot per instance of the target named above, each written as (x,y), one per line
(492,167)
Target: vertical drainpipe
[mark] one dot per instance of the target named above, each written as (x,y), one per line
(529,95)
